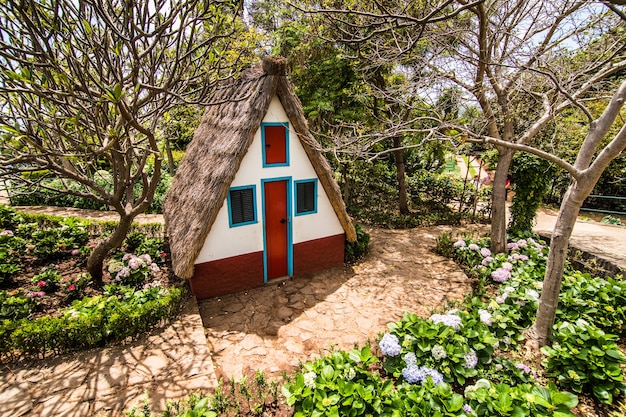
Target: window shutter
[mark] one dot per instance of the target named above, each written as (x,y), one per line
(242,205)
(305,197)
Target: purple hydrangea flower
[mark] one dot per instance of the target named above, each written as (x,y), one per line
(451,320)
(135,263)
(523,367)
(522,243)
(434,374)
(512,246)
(485,252)
(486,261)
(6,232)
(389,345)
(507,266)
(471,360)
(146,258)
(467,409)
(459,243)
(500,275)
(413,374)
(473,246)
(74,252)
(127,256)
(123,273)
(154,267)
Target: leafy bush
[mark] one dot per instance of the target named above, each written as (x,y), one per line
(10,248)
(601,301)
(357,250)
(133,240)
(74,289)
(91,322)
(47,280)
(15,307)
(584,358)
(456,344)
(132,270)
(612,220)
(340,385)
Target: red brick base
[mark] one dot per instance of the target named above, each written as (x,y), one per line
(226,276)
(318,255)
(243,272)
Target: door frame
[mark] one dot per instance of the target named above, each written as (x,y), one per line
(289,225)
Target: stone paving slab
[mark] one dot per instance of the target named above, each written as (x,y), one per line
(166,364)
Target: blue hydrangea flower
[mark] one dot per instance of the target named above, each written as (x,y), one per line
(390,345)
(438,352)
(413,374)
(410,359)
(451,320)
(471,360)
(434,374)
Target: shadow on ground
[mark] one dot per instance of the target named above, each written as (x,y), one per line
(275,328)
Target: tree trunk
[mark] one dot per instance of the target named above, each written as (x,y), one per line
(498,201)
(400,172)
(95,262)
(565,221)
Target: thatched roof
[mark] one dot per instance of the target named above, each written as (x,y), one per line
(214,155)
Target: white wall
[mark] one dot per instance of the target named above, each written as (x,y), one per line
(224,241)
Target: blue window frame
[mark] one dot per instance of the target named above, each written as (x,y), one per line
(306,197)
(242,205)
(275,144)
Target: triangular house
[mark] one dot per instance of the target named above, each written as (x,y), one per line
(254,199)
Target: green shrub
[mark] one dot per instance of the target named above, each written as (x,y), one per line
(48,280)
(340,385)
(16,307)
(133,240)
(585,359)
(153,247)
(357,250)
(601,301)
(91,322)
(456,344)
(10,250)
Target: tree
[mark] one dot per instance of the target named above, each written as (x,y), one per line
(592,159)
(495,52)
(83,86)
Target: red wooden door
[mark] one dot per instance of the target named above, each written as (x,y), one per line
(276,229)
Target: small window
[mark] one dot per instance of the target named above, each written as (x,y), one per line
(241,209)
(275,144)
(306,197)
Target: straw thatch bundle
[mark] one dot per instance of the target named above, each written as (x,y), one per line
(214,155)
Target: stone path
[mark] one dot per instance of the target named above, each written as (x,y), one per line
(277,327)
(168,363)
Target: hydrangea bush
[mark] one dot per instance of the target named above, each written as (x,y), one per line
(451,363)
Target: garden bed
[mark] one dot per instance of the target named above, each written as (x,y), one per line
(48,303)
